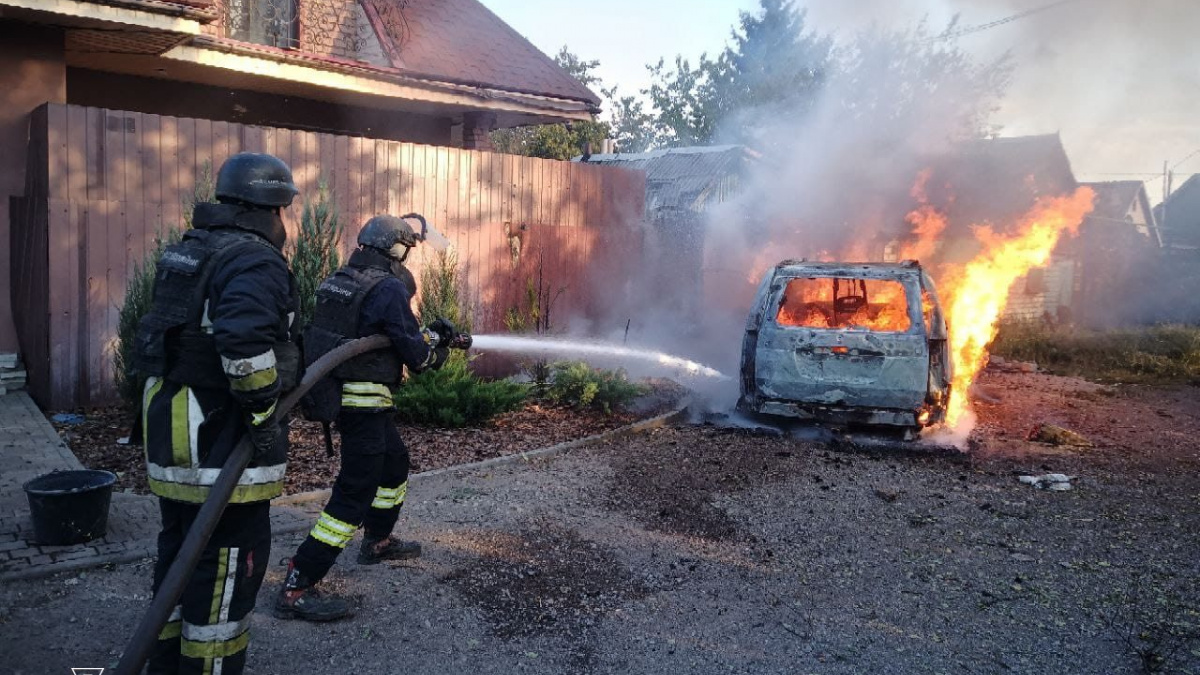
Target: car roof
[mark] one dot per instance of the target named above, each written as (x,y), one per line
(866,270)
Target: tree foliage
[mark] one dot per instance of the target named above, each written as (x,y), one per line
(314,253)
(899,77)
(444,292)
(772,66)
(630,126)
(776,68)
(557,141)
(139,291)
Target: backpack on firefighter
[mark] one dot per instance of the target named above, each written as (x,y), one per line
(339,302)
(172,340)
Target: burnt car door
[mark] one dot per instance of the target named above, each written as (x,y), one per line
(940,364)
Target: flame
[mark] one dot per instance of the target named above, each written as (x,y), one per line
(978,292)
(927,223)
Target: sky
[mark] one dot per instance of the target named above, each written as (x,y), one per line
(1118,79)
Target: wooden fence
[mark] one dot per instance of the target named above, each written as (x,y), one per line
(102,184)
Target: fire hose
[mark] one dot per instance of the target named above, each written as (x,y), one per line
(146,635)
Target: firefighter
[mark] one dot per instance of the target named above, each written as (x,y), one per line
(217,348)
(371,295)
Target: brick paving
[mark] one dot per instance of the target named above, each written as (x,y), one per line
(30,447)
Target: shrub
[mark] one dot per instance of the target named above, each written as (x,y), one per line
(452,396)
(578,385)
(455,397)
(139,291)
(1168,353)
(443,292)
(314,254)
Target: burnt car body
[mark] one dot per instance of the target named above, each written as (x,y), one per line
(847,344)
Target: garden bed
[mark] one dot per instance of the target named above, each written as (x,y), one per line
(538,424)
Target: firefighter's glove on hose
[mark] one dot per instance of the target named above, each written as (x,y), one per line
(449,336)
(264,434)
(444,330)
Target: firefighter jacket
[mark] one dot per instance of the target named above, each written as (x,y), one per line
(217,348)
(367,298)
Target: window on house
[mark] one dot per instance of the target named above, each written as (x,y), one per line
(274,23)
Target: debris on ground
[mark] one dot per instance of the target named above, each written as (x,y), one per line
(1054,482)
(1055,435)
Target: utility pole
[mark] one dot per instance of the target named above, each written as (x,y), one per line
(1166,193)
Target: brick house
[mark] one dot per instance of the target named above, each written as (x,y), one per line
(434,72)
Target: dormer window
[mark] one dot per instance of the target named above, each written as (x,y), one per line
(274,23)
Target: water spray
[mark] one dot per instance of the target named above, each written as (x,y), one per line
(596,349)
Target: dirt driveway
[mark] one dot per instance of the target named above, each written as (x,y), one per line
(703,550)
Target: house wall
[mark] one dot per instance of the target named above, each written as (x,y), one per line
(1044,293)
(115,178)
(163,97)
(32,72)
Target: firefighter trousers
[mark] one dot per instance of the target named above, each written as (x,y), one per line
(208,631)
(369,490)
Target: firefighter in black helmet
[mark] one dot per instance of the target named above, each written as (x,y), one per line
(371,295)
(217,350)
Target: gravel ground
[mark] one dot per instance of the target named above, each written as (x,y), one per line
(706,550)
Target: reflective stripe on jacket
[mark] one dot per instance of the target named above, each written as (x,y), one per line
(189,433)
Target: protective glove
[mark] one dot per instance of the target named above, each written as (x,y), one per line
(265,436)
(438,358)
(445,331)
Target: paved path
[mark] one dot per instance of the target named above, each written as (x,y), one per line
(30,447)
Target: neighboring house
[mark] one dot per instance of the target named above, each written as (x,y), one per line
(437,72)
(1117,244)
(683,187)
(996,181)
(1090,276)
(1179,217)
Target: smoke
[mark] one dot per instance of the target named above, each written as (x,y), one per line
(835,180)
(1117,78)
(832,179)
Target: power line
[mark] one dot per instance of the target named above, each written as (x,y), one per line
(1193,154)
(950,35)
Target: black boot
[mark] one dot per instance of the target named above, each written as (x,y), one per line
(300,599)
(375,550)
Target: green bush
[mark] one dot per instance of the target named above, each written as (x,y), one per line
(314,253)
(443,292)
(452,396)
(1157,354)
(578,385)
(139,291)
(455,397)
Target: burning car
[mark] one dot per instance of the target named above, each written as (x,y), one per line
(845,344)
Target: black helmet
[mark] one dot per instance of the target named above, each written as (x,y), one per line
(256,179)
(392,235)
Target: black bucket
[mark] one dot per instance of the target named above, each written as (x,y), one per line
(70,507)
